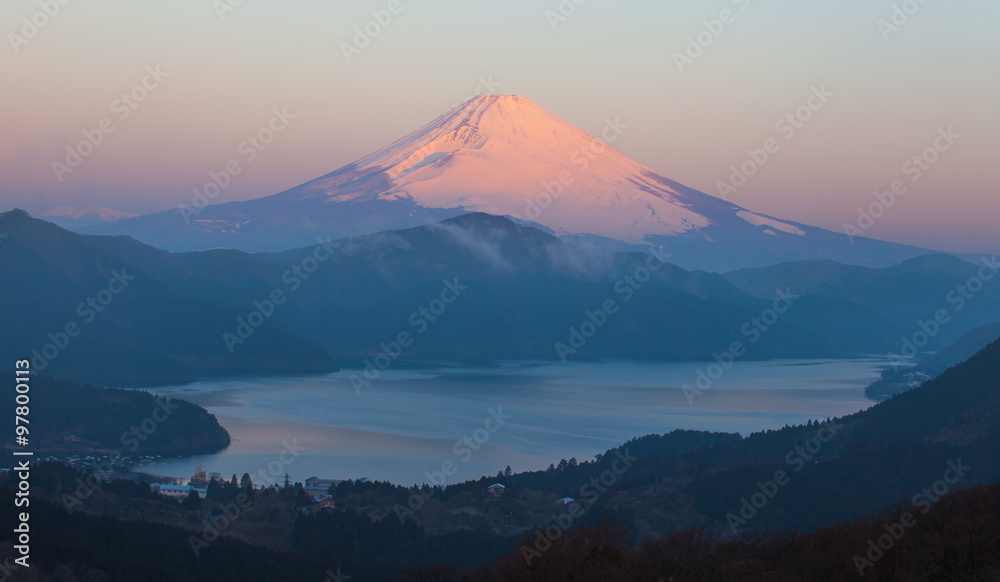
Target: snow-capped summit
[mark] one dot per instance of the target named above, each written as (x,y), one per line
(502,154)
(505,155)
(70,216)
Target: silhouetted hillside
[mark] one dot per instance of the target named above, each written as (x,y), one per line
(78,312)
(905,294)
(69,417)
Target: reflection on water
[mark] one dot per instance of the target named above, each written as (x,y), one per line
(409,422)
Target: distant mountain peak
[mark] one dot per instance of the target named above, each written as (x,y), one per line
(15,214)
(505,155)
(95,213)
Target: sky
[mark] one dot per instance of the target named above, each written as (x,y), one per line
(201,76)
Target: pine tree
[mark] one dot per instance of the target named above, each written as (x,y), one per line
(192,501)
(214,490)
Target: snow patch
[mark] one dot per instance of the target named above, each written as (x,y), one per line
(758,220)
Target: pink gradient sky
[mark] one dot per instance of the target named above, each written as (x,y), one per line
(607,60)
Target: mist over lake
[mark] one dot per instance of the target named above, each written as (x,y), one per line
(411,421)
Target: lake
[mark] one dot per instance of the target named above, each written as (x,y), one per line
(409,423)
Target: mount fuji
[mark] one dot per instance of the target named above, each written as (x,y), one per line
(505,155)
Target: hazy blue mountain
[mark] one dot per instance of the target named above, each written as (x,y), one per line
(522,293)
(77,311)
(526,289)
(966,293)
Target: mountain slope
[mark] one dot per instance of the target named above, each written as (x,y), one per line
(907,294)
(78,312)
(525,290)
(504,155)
(896,380)
(533,287)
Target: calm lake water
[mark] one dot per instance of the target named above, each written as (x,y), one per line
(407,423)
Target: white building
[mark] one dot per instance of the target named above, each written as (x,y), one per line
(177,491)
(317,485)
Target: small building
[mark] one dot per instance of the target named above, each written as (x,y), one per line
(496,489)
(317,485)
(565,500)
(327,503)
(177,491)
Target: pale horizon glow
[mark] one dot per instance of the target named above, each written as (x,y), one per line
(607,60)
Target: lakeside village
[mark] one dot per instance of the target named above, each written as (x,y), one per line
(318,489)
(112,467)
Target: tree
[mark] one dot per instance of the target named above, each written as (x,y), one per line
(507,472)
(192,501)
(214,490)
(245,482)
(300,497)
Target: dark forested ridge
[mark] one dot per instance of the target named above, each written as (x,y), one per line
(69,417)
(78,312)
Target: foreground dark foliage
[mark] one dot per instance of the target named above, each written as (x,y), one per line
(957,539)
